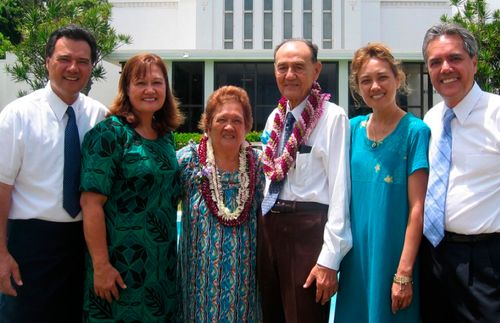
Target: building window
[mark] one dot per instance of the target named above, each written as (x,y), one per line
(287,19)
(329,80)
(268,24)
(248,25)
(259,82)
(327,24)
(228,24)
(307,20)
(188,85)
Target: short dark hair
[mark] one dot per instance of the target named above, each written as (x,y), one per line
(470,43)
(312,47)
(73,32)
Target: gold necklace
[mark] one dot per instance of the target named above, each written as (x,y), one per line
(373,134)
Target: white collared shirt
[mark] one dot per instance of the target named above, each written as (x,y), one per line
(322,176)
(32,151)
(472,203)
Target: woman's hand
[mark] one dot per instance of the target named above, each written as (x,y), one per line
(106,282)
(401,296)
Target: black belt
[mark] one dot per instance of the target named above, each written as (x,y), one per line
(465,238)
(283,206)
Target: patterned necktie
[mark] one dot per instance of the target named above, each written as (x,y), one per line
(72,155)
(437,189)
(275,186)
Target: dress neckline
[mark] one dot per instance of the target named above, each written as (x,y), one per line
(376,144)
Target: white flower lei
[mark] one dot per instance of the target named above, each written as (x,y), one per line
(215,185)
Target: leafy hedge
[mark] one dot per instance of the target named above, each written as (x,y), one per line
(183,138)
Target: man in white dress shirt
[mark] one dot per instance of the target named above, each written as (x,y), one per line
(41,245)
(461,273)
(304,234)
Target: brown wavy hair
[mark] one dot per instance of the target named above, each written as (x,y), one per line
(227,93)
(378,51)
(168,118)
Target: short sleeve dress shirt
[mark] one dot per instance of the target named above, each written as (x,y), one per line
(472,203)
(32,151)
(322,176)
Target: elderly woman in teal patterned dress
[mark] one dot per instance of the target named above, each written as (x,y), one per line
(129,201)
(222,184)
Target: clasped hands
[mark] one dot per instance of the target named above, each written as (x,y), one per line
(326,282)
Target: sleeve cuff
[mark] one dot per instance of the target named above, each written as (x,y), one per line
(328,259)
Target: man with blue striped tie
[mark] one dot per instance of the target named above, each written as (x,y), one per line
(461,256)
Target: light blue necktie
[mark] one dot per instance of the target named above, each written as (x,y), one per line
(275,186)
(72,162)
(437,189)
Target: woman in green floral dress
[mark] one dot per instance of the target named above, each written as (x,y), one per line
(129,201)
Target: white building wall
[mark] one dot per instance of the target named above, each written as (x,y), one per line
(156,25)
(404,23)
(193,30)
(351,23)
(9,88)
(370,23)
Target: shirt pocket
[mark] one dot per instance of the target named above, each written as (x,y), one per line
(303,167)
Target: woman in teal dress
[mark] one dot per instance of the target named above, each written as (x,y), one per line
(130,193)
(222,182)
(389,177)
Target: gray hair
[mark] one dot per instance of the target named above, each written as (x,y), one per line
(470,43)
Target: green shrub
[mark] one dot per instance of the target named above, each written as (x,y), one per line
(183,138)
(254,136)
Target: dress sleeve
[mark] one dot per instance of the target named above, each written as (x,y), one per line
(188,161)
(101,155)
(418,149)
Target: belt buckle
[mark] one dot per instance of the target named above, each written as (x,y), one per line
(274,211)
(285,206)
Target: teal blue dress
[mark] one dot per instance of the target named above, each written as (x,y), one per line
(379,216)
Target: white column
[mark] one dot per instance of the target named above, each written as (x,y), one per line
(238,24)
(297,18)
(258,24)
(317,23)
(277,22)
(209,79)
(344,85)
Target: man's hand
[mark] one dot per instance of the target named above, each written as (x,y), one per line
(9,269)
(326,282)
(106,279)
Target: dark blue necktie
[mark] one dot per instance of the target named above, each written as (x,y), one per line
(72,157)
(275,186)
(437,189)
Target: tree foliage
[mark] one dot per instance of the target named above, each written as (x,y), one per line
(40,18)
(485,26)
